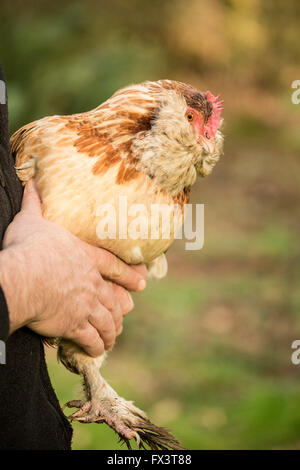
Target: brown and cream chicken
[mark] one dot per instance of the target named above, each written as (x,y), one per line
(148,142)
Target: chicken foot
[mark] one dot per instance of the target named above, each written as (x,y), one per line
(104,405)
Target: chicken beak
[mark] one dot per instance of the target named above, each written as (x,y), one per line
(207,145)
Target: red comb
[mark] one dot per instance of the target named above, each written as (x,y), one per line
(215,118)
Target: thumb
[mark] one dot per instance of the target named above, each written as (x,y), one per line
(31,201)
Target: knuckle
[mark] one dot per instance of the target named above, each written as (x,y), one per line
(91,301)
(108,293)
(76,329)
(109,334)
(108,322)
(114,266)
(117,269)
(94,276)
(109,337)
(116,313)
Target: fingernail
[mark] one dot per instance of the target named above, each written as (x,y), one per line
(141,285)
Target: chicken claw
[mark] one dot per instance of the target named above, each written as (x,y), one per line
(128,421)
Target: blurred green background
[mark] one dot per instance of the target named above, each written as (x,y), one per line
(207,351)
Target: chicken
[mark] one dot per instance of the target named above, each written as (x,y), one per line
(147,143)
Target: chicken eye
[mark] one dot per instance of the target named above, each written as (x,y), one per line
(190,117)
(207,135)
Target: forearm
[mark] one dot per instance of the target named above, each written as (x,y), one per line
(14,280)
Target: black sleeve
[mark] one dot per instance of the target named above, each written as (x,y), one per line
(5,204)
(4,320)
(4,131)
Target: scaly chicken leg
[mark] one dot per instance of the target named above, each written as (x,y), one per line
(103,404)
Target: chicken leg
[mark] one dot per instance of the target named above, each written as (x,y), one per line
(103,404)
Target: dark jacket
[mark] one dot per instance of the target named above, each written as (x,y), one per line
(30,415)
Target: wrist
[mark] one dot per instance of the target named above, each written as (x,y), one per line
(15,280)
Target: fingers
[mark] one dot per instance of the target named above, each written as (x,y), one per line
(90,341)
(99,333)
(102,320)
(31,202)
(141,269)
(108,298)
(125,301)
(114,269)
(117,300)
(124,298)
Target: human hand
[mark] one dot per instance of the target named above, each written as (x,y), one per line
(59,286)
